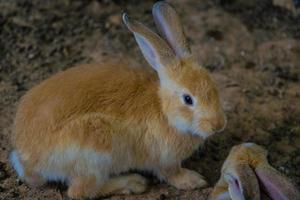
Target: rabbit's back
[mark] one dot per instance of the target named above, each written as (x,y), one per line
(115,91)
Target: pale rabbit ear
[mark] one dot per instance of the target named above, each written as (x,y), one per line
(242,183)
(276,185)
(169,25)
(220,191)
(154,48)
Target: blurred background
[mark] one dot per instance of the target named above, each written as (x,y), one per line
(252,49)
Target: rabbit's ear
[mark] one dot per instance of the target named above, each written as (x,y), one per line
(220,191)
(155,49)
(169,25)
(242,183)
(276,185)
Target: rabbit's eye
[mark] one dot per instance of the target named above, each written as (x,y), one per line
(188,99)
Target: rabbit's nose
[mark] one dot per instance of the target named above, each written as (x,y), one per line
(219,124)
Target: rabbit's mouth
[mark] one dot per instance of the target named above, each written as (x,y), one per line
(195,130)
(185,127)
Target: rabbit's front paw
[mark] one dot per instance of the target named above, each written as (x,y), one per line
(187,180)
(135,184)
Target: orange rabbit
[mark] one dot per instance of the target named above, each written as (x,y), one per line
(89,123)
(246,174)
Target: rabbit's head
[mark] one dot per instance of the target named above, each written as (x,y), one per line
(247,174)
(189,96)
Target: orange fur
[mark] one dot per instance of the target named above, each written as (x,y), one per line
(81,106)
(91,122)
(247,165)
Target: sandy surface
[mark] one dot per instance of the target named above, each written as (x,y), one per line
(252,50)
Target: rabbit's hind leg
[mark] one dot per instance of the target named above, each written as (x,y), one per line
(87,187)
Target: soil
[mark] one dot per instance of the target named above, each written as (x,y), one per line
(252,49)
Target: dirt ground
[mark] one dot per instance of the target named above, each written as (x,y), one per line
(251,47)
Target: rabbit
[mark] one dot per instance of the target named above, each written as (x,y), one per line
(90,124)
(245,170)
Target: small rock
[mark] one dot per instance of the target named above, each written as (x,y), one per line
(95,9)
(114,20)
(31,56)
(284,169)
(245,90)
(21,22)
(286,4)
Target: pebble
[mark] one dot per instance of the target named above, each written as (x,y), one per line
(21,22)
(95,9)
(286,4)
(113,20)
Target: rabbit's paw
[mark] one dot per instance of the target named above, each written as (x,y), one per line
(187,180)
(134,184)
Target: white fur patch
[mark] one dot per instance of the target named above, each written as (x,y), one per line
(184,127)
(248,144)
(15,161)
(81,162)
(180,124)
